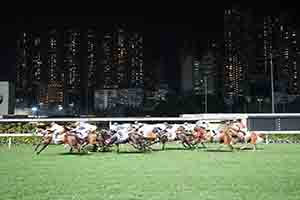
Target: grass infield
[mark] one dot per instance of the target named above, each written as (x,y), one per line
(271,173)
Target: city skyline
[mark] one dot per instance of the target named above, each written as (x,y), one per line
(67,62)
(163,33)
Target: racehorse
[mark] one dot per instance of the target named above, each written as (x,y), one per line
(64,138)
(253,138)
(230,135)
(130,136)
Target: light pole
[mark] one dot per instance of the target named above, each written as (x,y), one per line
(71,105)
(248,100)
(259,100)
(205,85)
(205,93)
(272,83)
(34,110)
(40,108)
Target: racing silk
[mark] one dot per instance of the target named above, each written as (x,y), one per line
(114,128)
(171,132)
(199,133)
(122,134)
(189,127)
(118,127)
(83,129)
(148,130)
(201,124)
(57,130)
(161,126)
(243,125)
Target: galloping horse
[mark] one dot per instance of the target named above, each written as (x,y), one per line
(253,138)
(229,134)
(63,138)
(126,135)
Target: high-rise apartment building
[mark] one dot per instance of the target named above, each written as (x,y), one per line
(238,54)
(22,69)
(66,66)
(71,65)
(122,61)
(205,74)
(91,58)
(54,70)
(136,67)
(280,49)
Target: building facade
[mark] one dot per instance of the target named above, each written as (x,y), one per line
(65,66)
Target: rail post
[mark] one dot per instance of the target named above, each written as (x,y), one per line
(9,142)
(267,139)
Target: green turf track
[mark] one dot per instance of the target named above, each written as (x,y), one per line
(271,173)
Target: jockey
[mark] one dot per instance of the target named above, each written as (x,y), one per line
(200,130)
(136,127)
(188,127)
(240,129)
(114,127)
(122,134)
(242,125)
(172,131)
(149,131)
(56,129)
(83,129)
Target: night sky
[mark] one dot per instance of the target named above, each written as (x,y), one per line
(163,34)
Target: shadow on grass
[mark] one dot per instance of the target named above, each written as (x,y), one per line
(133,152)
(76,153)
(106,151)
(176,149)
(250,149)
(218,150)
(235,149)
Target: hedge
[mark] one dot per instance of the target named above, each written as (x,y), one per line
(17,127)
(20,140)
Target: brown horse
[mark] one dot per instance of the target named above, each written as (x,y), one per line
(230,136)
(253,138)
(65,138)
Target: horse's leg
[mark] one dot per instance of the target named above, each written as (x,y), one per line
(118,148)
(187,145)
(84,145)
(71,150)
(37,146)
(184,145)
(163,145)
(95,147)
(244,146)
(254,147)
(230,147)
(45,145)
(78,147)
